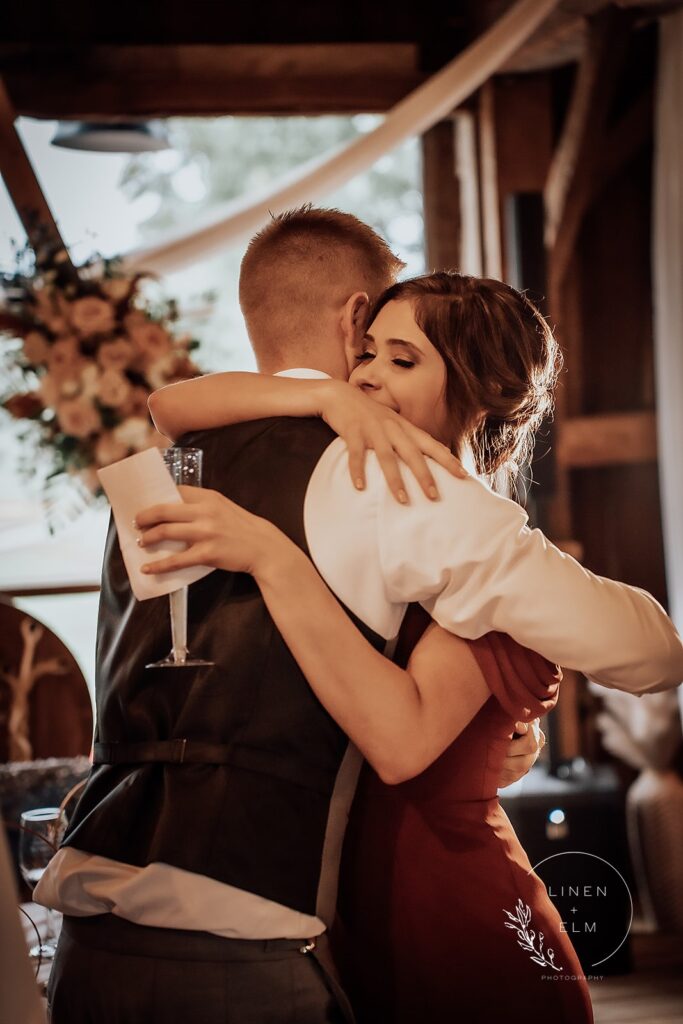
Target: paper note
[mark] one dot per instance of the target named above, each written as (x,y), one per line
(132,485)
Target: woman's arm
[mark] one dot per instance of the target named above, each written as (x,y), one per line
(218,399)
(401,720)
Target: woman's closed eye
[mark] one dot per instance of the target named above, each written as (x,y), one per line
(365,357)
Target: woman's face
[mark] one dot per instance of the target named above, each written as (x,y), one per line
(397,365)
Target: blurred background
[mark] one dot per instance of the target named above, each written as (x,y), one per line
(559,170)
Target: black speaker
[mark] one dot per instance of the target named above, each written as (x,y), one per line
(573,829)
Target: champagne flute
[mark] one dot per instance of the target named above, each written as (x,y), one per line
(185,466)
(41,832)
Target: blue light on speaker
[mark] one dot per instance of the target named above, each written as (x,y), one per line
(556,816)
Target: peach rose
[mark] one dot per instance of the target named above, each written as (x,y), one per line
(90,380)
(48,391)
(136,318)
(115,355)
(151,340)
(116,288)
(92,315)
(78,417)
(65,358)
(108,449)
(113,388)
(36,348)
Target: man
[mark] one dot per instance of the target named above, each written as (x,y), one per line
(202,858)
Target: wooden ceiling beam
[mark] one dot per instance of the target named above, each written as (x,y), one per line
(109,83)
(608,440)
(569,184)
(633,130)
(23,185)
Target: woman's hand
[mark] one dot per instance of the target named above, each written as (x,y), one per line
(522,753)
(364,423)
(217,532)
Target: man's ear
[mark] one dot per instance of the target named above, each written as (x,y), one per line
(354,318)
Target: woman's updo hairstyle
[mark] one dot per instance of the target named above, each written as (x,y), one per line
(502,362)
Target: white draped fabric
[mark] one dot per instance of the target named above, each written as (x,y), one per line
(668,301)
(412,116)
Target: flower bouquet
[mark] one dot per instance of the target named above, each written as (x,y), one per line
(82,352)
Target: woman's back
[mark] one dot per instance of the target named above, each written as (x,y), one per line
(431,865)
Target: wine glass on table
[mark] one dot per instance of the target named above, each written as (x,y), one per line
(185,466)
(41,832)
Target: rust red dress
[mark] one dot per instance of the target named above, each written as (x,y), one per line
(430,867)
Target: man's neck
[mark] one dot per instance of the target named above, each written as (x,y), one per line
(332,364)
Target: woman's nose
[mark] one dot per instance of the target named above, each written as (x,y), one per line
(367,384)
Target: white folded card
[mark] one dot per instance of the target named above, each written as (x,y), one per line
(132,485)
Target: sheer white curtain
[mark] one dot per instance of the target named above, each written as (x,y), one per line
(668,300)
(412,116)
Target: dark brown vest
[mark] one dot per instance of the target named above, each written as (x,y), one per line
(257,821)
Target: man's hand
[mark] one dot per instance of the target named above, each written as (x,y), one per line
(523,752)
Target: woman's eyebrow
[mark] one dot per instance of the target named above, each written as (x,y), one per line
(398,341)
(402,343)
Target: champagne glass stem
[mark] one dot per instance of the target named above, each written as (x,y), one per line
(178,602)
(50,931)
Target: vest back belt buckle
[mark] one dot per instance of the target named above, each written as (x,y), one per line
(308,947)
(178,750)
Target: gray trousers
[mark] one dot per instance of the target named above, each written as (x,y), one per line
(110,971)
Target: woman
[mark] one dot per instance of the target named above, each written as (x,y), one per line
(433,872)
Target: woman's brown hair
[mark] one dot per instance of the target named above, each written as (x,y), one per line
(502,362)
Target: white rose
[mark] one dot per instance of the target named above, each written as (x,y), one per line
(133,433)
(113,388)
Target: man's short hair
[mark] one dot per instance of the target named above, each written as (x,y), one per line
(306,263)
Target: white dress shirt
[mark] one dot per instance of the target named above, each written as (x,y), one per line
(475,565)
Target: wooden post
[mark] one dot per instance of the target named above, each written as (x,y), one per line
(441,198)
(490,208)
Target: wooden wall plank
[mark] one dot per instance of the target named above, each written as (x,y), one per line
(490,197)
(441,190)
(608,440)
(580,142)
